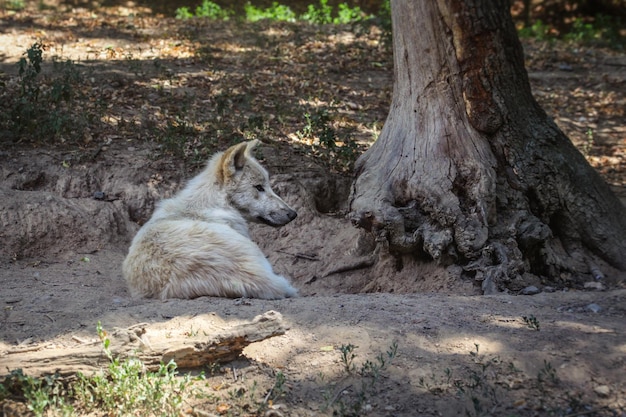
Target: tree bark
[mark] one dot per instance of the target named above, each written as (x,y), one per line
(468,168)
(190,344)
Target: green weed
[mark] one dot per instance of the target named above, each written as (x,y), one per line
(325,139)
(547,374)
(537,30)
(15,5)
(347,357)
(126,387)
(276,12)
(279,388)
(532,322)
(39,394)
(318,125)
(589,142)
(347,14)
(123,388)
(207,9)
(319,14)
(349,396)
(44,108)
(601,29)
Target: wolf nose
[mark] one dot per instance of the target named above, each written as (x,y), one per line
(292,214)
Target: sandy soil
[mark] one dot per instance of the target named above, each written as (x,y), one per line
(581,337)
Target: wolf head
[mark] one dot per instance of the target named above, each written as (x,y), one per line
(248,188)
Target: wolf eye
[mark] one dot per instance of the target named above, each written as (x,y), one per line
(259,188)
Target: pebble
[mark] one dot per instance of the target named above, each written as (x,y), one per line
(530,290)
(593,285)
(99,195)
(602,391)
(594,308)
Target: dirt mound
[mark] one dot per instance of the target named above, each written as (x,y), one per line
(55,205)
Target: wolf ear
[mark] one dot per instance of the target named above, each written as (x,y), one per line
(234,159)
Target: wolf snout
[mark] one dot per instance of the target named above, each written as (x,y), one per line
(286,216)
(279,218)
(291,214)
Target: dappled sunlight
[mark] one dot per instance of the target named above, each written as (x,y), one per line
(464,345)
(582,327)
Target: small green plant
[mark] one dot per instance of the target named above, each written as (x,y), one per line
(40,394)
(532,322)
(589,142)
(29,68)
(349,398)
(547,374)
(320,134)
(276,11)
(537,30)
(323,14)
(207,9)
(123,388)
(15,5)
(600,29)
(318,14)
(44,107)
(212,10)
(64,85)
(347,14)
(127,387)
(318,125)
(582,31)
(278,389)
(347,357)
(183,13)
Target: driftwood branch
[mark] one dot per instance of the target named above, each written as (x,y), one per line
(190,342)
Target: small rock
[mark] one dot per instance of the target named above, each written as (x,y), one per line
(602,391)
(99,195)
(565,67)
(592,285)
(530,290)
(549,289)
(594,308)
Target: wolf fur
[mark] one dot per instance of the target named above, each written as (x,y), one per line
(197,242)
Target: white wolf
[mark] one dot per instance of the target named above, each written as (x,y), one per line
(197,242)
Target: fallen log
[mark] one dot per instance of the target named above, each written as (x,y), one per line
(189,342)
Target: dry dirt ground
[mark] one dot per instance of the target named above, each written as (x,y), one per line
(68,214)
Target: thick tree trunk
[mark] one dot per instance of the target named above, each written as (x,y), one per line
(468,168)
